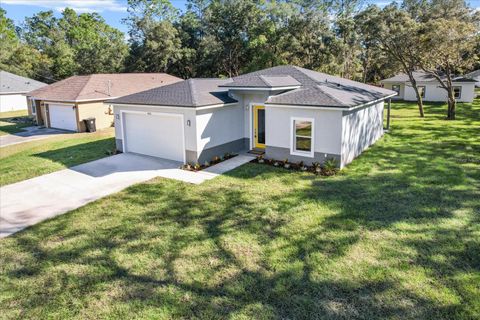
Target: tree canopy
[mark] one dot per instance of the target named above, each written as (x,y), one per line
(224,38)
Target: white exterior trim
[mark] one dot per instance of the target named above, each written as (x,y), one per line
(59,103)
(176,115)
(13,92)
(213,106)
(293,152)
(71,101)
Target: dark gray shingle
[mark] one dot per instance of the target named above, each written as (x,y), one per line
(187,93)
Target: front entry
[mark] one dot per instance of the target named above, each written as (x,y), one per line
(259,126)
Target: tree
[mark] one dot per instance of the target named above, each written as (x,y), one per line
(450,48)
(75,44)
(155,44)
(397,34)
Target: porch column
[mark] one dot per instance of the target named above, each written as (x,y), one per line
(388,113)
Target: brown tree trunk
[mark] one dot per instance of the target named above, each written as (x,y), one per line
(418,95)
(452,104)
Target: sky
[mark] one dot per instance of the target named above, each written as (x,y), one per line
(113,11)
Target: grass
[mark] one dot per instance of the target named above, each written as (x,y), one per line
(31,159)
(395,236)
(9,127)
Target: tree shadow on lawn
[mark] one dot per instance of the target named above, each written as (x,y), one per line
(210,254)
(394,236)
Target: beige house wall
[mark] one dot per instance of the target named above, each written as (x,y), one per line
(101,112)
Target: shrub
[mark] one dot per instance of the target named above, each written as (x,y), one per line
(330,167)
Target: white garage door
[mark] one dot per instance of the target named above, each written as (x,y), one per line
(154,135)
(62,117)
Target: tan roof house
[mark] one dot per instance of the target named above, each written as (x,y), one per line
(66,103)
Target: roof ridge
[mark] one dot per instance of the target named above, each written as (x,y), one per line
(85,84)
(318,86)
(191,89)
(264,80)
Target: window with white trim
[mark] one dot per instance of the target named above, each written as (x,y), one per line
(302,137)
(34,108)
(396,88)
(457,92)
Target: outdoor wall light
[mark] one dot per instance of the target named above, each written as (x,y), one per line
(188,123)
(117,116)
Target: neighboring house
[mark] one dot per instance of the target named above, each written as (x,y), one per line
(285,111)
(475,75)
(429,87)
(12,90)
(65,104)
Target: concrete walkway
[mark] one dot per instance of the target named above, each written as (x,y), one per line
(30,134)
(28,202)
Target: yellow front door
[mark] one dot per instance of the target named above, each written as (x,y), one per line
(259,126)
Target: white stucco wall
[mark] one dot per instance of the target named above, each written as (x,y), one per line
(434,92)
(219,126)
(189,114)
(327,127)
(360,129)
(12,102)
(401,94)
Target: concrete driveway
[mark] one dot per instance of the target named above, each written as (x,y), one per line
(28,202)
(31,201)
(30,134)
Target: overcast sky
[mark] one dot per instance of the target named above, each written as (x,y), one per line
(112,10)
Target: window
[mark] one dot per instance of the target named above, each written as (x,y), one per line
(302,137)
(457,92)
(34,108)
(396,88)
(421,90)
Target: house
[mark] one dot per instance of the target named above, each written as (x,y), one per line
(474,75)
(65,104)
(12,90)
(429,87)
(284,112)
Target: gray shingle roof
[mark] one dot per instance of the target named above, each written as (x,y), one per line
(324,90)
(187,93)
(12,83)
(263,81)
(313,89)
(473,75)
(422,76)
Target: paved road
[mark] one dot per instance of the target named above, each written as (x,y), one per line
(30,134)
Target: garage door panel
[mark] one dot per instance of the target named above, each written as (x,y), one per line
(62,117)
(155,135)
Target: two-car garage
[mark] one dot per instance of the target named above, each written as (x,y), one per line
(154,134)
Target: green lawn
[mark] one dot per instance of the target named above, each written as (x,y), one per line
(27,160)
(9,127)
(395,236)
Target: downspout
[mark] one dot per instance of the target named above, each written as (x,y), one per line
(388,114)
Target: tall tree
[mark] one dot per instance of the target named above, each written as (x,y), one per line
(75,44)
(450,48)
(18,57)
(155,43)
(397,34)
